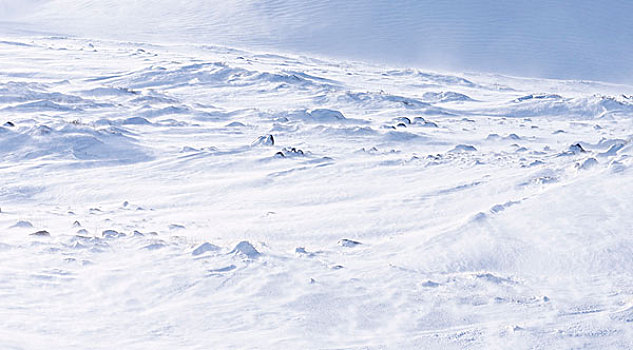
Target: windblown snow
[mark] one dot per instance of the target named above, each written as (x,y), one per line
(178,196)
(579,39)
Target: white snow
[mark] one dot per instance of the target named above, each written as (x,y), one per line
(194,196)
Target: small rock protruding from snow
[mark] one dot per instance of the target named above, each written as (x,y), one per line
(9,124)
(205,247)
(430,284)
(303,252)
(419,120)
(76,224)
(423,122)
(576,148)
(348,243)
(403,120)
(41,233)
(245,248)
(289,152)
(294,151)
(429,124)
(267,140)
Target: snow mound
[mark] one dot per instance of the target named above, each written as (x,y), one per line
(22,224)
(587,164)
(592,107)
(71,141)
(445,96)
(245,249)
(203,248)
(325,116)
(463,148)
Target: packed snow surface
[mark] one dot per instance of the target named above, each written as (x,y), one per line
(198,197)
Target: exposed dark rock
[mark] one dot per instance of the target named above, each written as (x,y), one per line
(42,233)
(267,140)
(348,243)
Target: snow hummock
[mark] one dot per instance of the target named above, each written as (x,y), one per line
(205,247)
(246,249)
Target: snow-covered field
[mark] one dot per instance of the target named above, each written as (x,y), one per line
(201,197)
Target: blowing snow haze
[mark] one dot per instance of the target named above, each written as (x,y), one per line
(543,38)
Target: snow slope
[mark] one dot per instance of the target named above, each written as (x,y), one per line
(554,39)
(182,196)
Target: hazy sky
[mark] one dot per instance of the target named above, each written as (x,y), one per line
(564,39)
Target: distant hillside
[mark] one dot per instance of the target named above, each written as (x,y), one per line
(547,38)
